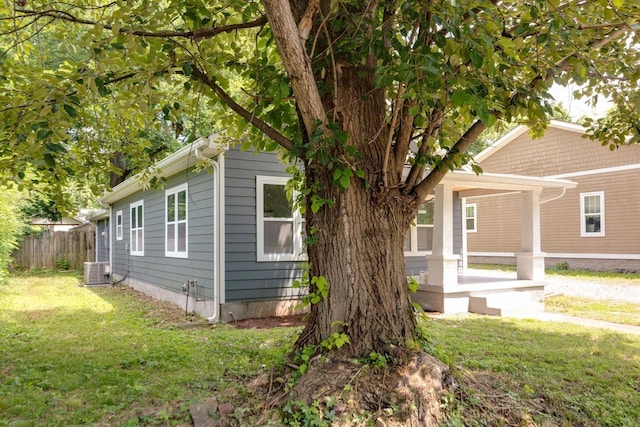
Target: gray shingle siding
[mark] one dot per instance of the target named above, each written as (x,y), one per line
(156,268)
(245,278)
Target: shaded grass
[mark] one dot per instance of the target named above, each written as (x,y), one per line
(528,370)
(76,356)
(610,311)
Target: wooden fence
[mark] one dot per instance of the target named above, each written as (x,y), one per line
(55,250)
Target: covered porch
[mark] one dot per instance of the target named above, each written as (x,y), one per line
(448,286)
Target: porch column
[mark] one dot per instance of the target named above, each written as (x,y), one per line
(443,263)
(530,260)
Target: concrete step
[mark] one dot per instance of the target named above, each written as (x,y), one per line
(508,303)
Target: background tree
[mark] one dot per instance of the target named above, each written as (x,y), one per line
(377,99)
(11,225)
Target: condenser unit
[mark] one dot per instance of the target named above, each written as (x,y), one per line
(96,273)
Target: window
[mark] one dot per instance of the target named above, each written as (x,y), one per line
(419,238)
(279,226)
(470,218)
(119,225)
(592,214)
(137,228)
(176,220)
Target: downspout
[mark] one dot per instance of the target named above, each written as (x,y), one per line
(111,224)
(218,262)
(563,190)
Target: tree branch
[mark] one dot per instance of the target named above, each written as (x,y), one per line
(423,188)
(199,34)
(200,76)
(296,62)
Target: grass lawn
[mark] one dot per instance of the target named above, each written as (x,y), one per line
(70,355)
(626,313)
(552,373)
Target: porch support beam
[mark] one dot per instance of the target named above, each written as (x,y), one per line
(443,263)
(530,260)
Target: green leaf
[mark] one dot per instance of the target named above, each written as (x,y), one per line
(476,59)
(345,180)
(70,110)
(44,134)
(49,160)
(187,69)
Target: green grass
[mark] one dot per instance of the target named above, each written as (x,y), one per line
(551,373)
(109,356)
(610,311)
(70,355)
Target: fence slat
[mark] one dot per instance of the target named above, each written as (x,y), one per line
(54,248)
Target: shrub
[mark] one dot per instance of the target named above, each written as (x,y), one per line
(10,227)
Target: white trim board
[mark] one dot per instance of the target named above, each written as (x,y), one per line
(597,171)
(562,255)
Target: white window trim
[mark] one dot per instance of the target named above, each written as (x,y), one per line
(298,221)
(132,228)
(583,228)
(413,230)
(475,217)
(119,228)
(175,191)
(414,241)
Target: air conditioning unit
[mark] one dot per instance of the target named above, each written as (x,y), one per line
(95,273)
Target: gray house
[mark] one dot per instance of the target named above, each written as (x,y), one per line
(223,240)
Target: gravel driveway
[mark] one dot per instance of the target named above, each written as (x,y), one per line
(593,287)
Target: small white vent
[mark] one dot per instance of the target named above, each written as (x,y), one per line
(94,273)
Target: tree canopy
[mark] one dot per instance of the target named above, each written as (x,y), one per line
(80,80)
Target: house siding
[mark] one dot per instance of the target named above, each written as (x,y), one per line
(566,154)
(154,267)
(558,152)
(247,280)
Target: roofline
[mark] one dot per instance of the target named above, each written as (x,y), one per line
(519,130)
(98,215)
(201,149)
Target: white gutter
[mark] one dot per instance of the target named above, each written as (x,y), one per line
(189,155)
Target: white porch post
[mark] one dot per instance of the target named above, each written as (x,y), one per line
(443,263)
(530,260)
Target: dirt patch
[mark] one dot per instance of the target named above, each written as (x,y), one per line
(349,392)
(270,322)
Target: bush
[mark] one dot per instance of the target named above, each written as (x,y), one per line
(10,227)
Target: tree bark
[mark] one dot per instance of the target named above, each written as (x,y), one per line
(358,243)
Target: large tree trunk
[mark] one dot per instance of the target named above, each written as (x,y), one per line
(358,243)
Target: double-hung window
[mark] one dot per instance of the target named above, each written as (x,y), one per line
(280,227)
(137,228)
(471,217)
(176,237)
(119,225)
(592,214)
(419,238)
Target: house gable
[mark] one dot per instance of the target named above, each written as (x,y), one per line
(562,151)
